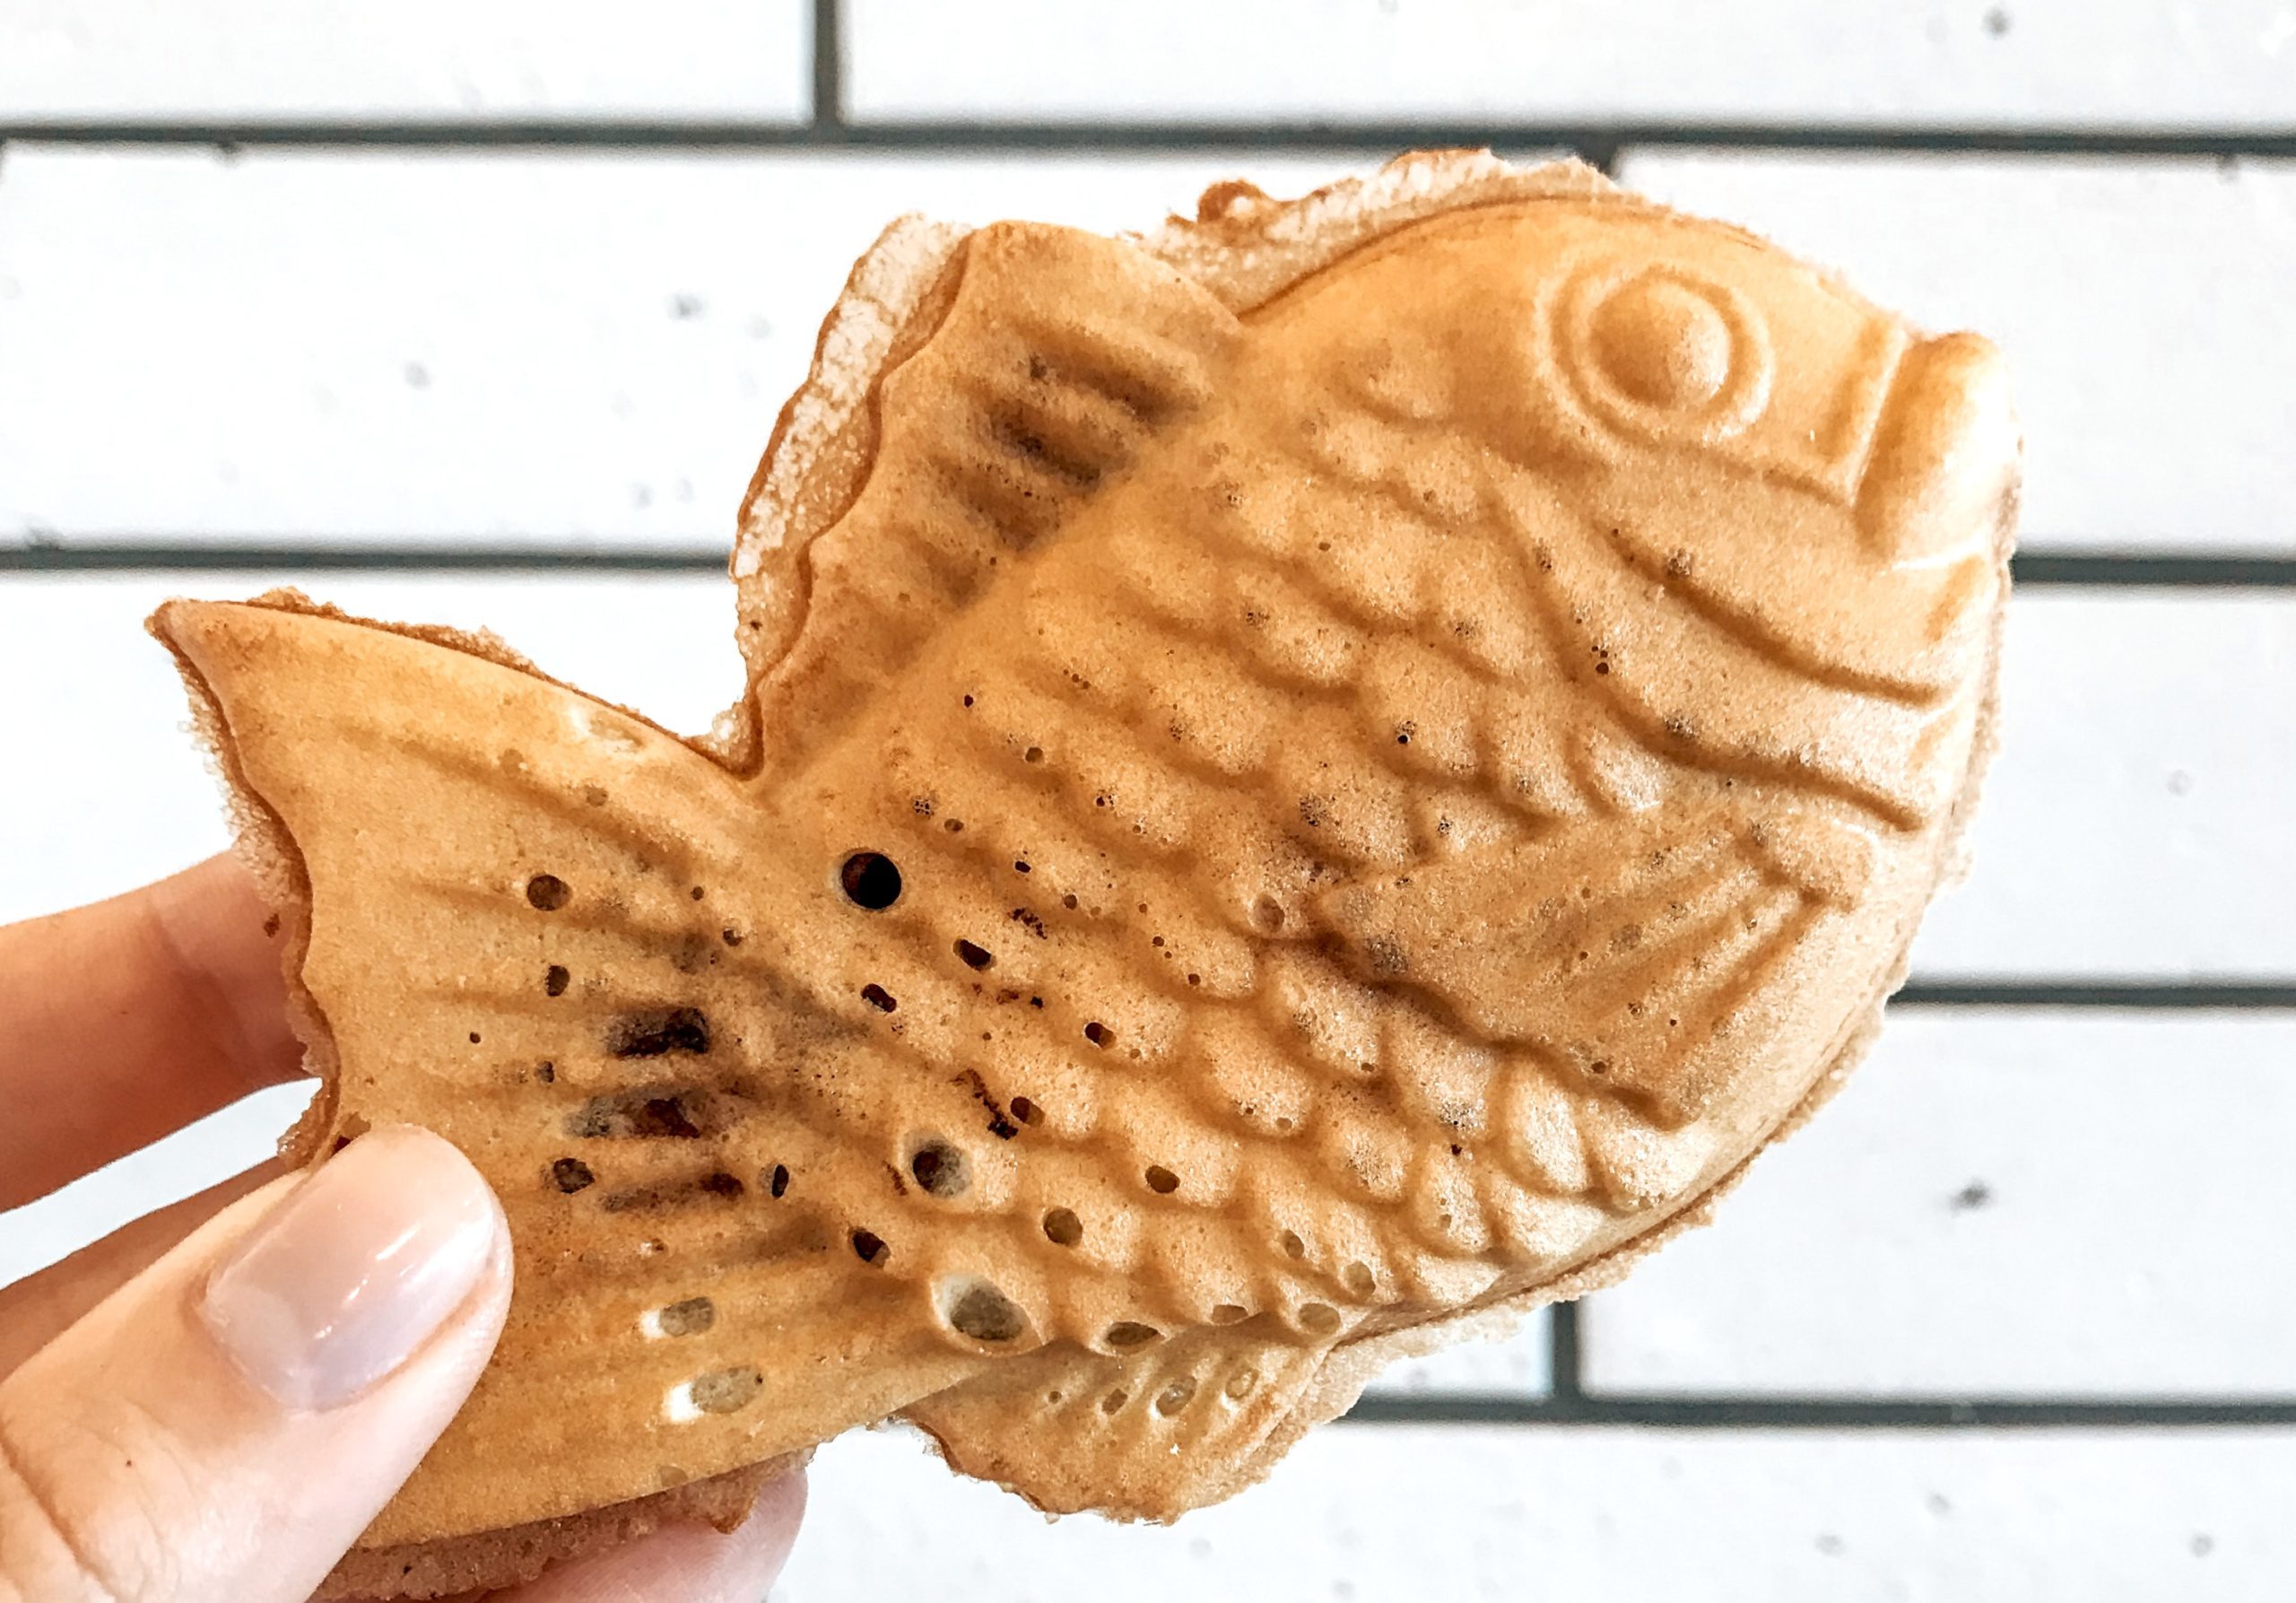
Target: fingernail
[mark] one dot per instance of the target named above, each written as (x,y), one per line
(345,1280)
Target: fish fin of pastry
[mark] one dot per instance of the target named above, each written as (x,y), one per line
(1143,1437)
(1056,355)
(1625,945)
(515,918)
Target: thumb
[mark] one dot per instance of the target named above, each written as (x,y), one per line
(223,1426)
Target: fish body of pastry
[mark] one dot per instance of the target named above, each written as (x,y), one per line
(1270,825)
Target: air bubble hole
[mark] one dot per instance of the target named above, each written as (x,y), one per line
(941,1169)
(871,879)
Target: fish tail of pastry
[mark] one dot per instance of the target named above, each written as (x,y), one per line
(562,965)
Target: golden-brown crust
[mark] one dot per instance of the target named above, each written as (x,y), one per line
(1245,250)
(488,1559)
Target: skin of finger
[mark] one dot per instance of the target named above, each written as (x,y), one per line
(132,1451)
(33,1310)
(684,1562)
(128,1019)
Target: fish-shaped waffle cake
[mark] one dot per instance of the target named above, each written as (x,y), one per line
(1308,777)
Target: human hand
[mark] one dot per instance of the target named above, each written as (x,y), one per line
(212,1403)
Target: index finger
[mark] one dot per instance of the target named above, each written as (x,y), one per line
(127,1019)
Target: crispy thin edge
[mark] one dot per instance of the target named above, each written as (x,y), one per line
(516,1554)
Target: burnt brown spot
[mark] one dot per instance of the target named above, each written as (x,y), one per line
(719,1185)
(639,1115)
(548,892)
(999,1126)
(546,1072)
(569,1175)
(654,1031)
(1029,921)
(555,979)
(1386,954)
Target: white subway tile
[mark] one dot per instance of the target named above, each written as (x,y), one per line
(2134,821)
(1972,61)
(1388,1513)
(255,60)
(504,347)
(2050,1205)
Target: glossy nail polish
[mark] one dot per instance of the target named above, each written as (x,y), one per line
(349,1274)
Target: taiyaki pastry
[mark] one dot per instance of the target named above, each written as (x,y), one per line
(1309,780)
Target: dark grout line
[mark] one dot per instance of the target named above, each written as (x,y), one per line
(1566,1359)
(1826,1414)
(2135,996)
(1600,143)
(829,68)
(377,556)
(2073,570)
(2039,570)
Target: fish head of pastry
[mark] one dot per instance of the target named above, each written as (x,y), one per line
(1763,442)
(1783,453)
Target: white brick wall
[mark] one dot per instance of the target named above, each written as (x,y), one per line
(316,345)
(1972,61)
(1998,1205)
(551,346)
(1398,1514)
(233,60)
